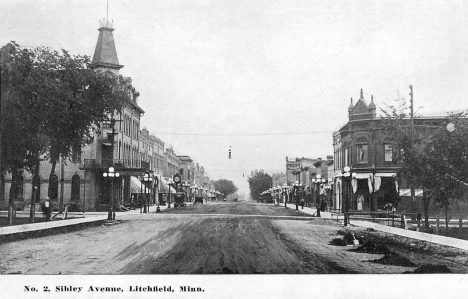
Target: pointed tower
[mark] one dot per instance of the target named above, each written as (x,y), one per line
(350,108)
(372,108)
(105,55)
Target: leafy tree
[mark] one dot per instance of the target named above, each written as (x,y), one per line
(50,101)
(448,153)
(430,157)
(225,186)
(259,181)
(409,142)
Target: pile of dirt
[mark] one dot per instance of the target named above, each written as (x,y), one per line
(372,247)
(349,236)
(395,260)
(430,268)
(338,242)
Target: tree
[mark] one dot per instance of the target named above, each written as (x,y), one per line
(259,181)
(49,103)
(448,153)
(225,186)
(431,158)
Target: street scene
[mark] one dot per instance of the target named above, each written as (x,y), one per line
(225,238)
(217,139)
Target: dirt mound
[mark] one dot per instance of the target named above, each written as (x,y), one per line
(430,268)
(372,247)
(349,237)
(395,260)
(338,242)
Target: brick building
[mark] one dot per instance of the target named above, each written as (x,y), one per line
(362,145)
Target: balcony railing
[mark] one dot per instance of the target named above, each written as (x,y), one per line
(118,164)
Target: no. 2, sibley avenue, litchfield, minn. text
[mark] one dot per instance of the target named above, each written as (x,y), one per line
(96,289)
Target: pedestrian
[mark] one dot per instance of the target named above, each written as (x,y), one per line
(302,203)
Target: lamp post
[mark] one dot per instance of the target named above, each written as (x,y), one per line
(146,180)
(156,180)
(111,175)
(346,177)
(170,183)
(373,187)
(317,181)
(186,184)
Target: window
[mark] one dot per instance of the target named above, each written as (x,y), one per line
(345,157)
(53,187)
(362,153)
(76,154)
(75,188)
(36,188)
(18,195)
(362,150)
(388,152)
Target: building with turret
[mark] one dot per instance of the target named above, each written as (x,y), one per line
(363,147)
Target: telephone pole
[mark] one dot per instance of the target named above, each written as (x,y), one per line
(411,108)
(412,132)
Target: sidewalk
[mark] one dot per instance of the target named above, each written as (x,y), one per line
(87,217)
(452,242)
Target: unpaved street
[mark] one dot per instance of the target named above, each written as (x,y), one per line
(214,238)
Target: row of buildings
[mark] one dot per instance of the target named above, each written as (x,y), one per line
(120,145)
(361,174)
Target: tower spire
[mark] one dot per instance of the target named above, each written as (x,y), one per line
(105,54)
(107,12)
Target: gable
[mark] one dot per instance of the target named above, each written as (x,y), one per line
(361,107)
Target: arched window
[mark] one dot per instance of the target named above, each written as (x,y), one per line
(36,189)
(388,149)
(75,188)
(19,187)
(53,187)
(362,150)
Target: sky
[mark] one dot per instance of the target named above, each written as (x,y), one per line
(269,79)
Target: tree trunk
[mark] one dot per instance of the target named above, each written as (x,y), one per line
(12,197)
(62,174)
(426,202)
(52,171)
(446,217)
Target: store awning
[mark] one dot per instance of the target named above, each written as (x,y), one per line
(164,186)
(137,187)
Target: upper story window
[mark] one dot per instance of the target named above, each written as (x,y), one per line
(362,150)
(345,157)
(388,150)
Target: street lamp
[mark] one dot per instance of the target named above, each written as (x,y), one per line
(317,181)
(156,180)
(111,175)
(186,184)
(146,180)
(170,183)
(346,177)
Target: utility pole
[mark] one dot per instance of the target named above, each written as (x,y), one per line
(412,132)
(411,108)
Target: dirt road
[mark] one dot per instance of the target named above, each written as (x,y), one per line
(214,238)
